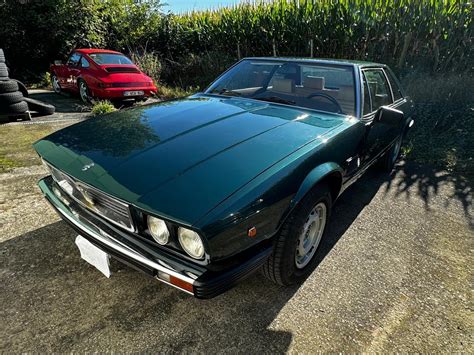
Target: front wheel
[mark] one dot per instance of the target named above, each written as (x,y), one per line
(387,162)
(84,92)
(296,246)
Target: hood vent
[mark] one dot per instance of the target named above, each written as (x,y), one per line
(122,70)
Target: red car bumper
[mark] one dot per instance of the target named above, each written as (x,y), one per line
(120,93)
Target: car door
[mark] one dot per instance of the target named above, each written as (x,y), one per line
(377,93)
(72,71)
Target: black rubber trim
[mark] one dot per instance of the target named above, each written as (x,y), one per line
(212,284)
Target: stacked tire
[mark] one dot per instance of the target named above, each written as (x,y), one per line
(14,98)
(11,98)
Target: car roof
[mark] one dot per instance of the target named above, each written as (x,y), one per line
(357,63)
(95,50)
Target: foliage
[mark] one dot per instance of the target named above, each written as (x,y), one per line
(102,107)
(148,62)
(172,92)
(34,33)
(443,134)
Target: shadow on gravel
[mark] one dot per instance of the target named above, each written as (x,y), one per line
(428,181)
(47,289)
(64,103)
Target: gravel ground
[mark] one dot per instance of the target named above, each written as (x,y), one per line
(395,275)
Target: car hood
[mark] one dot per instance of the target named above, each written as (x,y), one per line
(179,159)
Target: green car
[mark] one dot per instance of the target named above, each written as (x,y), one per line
(202,191)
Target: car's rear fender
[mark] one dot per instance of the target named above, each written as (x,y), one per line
(329,173)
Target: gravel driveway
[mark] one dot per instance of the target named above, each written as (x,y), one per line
(396,275)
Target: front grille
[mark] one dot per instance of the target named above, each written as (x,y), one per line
(108,202)
(95,200)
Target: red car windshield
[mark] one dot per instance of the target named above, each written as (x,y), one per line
(109,58)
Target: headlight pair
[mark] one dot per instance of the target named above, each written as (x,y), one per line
(189,240)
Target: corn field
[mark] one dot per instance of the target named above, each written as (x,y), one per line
(433,34)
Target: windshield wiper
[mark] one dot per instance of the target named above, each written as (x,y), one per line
(227,92)
(276,99)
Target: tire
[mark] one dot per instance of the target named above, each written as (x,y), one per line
(9,98)
(3,70)
(55,84)
(8,86)
(22,88)
(19,107)
(2,56)
(40,106)
(388,160)
(282,266)
(84,92)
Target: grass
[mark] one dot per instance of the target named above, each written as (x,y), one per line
(15,144)
(172,92)
(443,134)
(102,107)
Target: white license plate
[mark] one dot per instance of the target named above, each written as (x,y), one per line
(93,255)
(133,93)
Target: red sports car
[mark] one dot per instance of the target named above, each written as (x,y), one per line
(101,73)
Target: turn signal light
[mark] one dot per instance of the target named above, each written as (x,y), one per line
(183,285)
(252,232)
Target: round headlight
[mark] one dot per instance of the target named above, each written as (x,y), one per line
(191,242)
(158,230)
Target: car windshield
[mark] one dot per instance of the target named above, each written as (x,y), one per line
(109,58)
(315,86)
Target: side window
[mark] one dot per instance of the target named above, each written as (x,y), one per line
(84,63)
(397,93)
(378,87)
(367,104)
(74,59)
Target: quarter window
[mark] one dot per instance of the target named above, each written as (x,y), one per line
(367,103)
(73,60)
(378,87)
(84,63)
(397,93)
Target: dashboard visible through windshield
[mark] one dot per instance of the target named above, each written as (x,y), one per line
(315,86)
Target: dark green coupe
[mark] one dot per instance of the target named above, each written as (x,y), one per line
(202,191)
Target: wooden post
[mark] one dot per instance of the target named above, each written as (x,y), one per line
(239,55)
(274,48)
(311,44)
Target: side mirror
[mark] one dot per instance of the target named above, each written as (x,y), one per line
(58,62)
(389,116)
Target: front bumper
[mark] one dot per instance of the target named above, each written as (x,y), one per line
(192,279)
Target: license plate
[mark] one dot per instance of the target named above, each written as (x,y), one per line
(93,255)
(133,93)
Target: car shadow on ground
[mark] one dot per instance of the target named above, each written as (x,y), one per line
(45,282)
(64,102)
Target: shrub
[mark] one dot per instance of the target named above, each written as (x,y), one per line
(148,62)
(103,107)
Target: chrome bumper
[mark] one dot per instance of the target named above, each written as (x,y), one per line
(91,231)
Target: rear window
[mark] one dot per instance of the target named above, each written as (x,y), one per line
(109,58)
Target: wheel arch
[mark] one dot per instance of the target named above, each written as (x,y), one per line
(329,173)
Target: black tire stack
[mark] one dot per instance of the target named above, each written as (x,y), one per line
(12,101)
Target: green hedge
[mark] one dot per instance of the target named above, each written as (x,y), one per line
(435,35)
